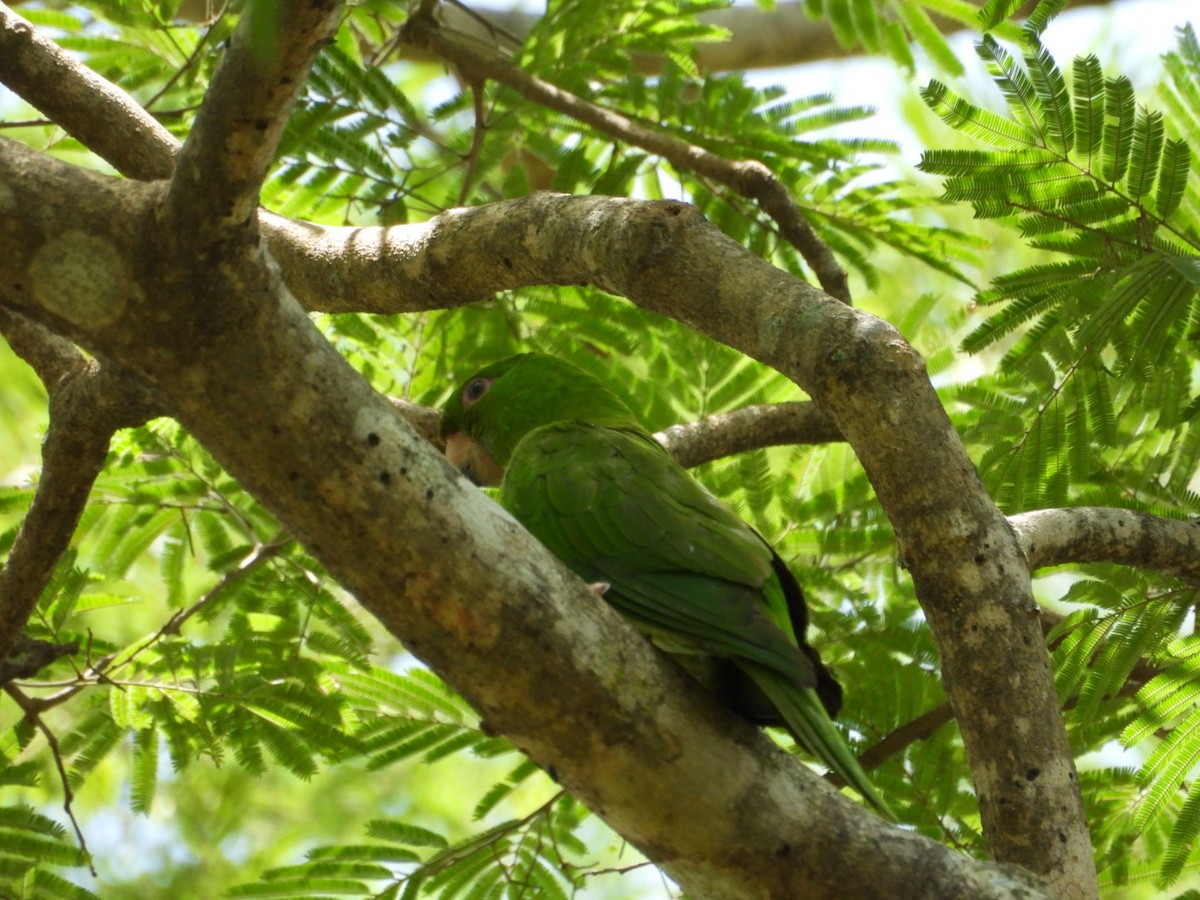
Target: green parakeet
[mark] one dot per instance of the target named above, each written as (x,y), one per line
(578,470)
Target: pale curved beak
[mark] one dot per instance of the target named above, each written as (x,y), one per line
(472,460)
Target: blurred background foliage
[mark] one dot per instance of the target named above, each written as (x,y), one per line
(235,725)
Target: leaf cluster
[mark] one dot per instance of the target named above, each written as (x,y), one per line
(1092,400)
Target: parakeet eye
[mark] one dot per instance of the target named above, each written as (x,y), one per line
(475,389)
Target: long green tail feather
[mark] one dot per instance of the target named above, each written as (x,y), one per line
(812,728)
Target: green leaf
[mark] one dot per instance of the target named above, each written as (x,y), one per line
(1173,178)
(405,834)
(1051,91)
(1120,121)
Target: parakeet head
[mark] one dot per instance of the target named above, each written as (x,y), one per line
(491,411)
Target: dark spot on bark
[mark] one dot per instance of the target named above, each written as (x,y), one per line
(486,727)
(293,476)
(276,430)
(979,559)
(553,773)
(262,124)
(429,494)
(404,471)
(1062,837)
(385,477)
(783,851)
(373,439)
(1032,774)
(507,262)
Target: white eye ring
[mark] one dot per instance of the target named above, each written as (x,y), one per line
(475,389)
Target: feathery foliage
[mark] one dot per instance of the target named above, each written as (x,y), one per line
(1093,402)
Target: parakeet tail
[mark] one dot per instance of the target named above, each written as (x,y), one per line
(805,715)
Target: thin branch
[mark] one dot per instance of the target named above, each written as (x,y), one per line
(52,357)
(784,35)
(924,725)
(31,715)
(694,443)
(905,736)
(92,110)
(188,63)
(254,560)
(232,142)
(100,671)
(747,177)
(88,402)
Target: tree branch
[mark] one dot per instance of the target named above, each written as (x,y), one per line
(30,710)
(749,178)
(232,142)
(748,428)
(970,573)
(88,402)
(1052,537)
(93,111)
(784,35)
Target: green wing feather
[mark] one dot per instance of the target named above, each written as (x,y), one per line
(616,508)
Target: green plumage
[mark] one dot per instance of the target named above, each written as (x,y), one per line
(599,492)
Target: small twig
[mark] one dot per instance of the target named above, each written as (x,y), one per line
(927,723)
(189,62)
(477,138)
(31,715)
(617,870)
(261,554)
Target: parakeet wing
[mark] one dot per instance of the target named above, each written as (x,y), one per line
(617,508)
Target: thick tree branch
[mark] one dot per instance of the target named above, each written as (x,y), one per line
(749,178)
(1052,537)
